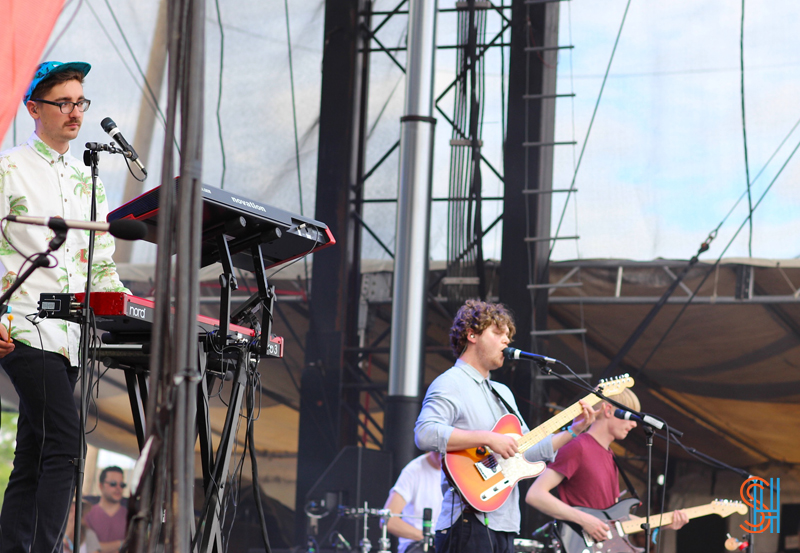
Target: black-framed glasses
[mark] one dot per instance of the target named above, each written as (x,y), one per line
(122,485)
(67,107)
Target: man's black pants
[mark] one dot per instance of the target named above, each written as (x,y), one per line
(468,535)
(38,495)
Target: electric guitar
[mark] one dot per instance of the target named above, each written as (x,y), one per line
(485,480)
(621,523)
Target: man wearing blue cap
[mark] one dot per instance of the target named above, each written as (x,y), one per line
(43,178)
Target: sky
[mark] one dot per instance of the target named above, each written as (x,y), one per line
(661,169)
(664,163)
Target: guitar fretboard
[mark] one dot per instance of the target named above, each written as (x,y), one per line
(635,523)
(551,426)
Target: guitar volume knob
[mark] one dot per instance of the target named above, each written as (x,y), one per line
(481,451)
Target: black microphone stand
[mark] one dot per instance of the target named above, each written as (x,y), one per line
(90,159)
(648,431)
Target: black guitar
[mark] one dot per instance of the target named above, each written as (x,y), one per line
(621,523)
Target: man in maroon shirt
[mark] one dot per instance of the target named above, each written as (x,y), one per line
(586,474)
(108,518)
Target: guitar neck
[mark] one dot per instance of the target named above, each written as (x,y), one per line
(635,523)
(551,426)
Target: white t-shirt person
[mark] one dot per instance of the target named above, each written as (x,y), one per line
(418,487)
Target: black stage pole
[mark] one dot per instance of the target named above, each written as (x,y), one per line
(90,158)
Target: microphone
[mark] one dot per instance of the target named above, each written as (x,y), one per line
(124,229)
(514,353)
(111,128)
(645,419)
(427,522)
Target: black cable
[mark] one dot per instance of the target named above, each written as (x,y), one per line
(588,131)
(217,394)
(744,132)
(234,487)
(26,259)
(58,545)
(292,262)
(260,396)
(747,192)
(226,498)
(66,27)
(712,235)
(130,50)
(153,95)
(294,120)
(294,108)
(151,98)
(44,427)
(95,339)
(503,89)
(213,483)
(219,94)
(254,466)
(755,179)
(130,170)
(714,266)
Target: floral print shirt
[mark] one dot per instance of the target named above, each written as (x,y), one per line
(37,181)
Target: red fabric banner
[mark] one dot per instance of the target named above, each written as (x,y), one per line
(26,27)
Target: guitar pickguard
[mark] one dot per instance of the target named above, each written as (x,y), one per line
(575,540)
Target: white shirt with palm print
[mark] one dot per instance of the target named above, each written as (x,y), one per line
(37,181)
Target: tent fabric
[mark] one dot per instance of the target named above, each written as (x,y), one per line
(727,374)
(26,32)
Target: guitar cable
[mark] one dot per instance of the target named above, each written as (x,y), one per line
(488,532)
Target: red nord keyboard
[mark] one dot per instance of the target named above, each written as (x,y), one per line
(120,313)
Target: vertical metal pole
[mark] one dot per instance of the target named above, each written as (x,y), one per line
(187,266)
(528,168)
(413,227)
(148,520)
(546,133)
(326,402)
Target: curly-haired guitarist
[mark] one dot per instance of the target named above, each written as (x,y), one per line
(459,412)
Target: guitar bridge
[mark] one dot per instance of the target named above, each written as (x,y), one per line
(487,467)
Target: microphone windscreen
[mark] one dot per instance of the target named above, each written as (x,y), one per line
(108,124)
(127,229)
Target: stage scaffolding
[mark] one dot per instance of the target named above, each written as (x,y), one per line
(344,383)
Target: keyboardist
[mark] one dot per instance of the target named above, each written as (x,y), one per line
(41,177)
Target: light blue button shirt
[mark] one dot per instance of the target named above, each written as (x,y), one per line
(460,398)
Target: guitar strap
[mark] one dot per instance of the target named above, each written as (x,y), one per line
(505,403)
(627,480)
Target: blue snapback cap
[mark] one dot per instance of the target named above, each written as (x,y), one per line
(49,68)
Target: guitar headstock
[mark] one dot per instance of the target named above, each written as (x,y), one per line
(615,385)
(726,507)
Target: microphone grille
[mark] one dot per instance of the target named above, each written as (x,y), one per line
(108,124)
